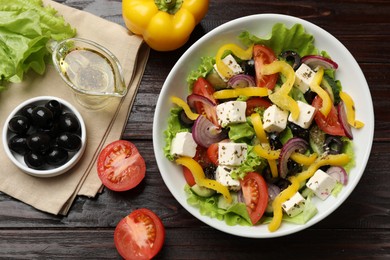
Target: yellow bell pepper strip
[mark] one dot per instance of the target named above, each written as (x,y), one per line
(187,110)
(266,153)
(236,92)
(315,87)
(237,51)
(164,24)
(261,135)
(333,160)
(350,109)
(303,159)
(281,97)
(201,179)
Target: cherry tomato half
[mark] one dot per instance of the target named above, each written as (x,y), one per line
(264,55)
(120,166)
(256,102)
(255,193)
(204,88)
(204,161)
(140,235)
(329,124)
(188,176)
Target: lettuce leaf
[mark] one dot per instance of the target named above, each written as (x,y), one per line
(282,39)
(206,65)
(26,27)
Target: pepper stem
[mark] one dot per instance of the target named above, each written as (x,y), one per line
(169,6)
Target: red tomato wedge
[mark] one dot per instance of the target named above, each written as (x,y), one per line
(264,55)
(204,88)
(255,191)
(329,124)
(256,102)
(212,153)
(120,166)
(140,235)
(188,176)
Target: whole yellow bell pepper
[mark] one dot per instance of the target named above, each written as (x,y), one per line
(164,24)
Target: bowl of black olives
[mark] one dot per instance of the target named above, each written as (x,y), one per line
(44,136)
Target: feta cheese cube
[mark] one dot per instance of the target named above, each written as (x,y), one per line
(223,176)
(232,64)
(183,144)
(306,115)
(274,119)
(231,112)
(232,154)
(304,75)
(294,205)
(321,184)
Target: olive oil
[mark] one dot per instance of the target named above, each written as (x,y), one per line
(89,71)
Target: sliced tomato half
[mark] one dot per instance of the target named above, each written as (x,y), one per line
(264,55)
(329,124)
(256,102)
(255,193)
(140,235)
(204,88)
(120,166)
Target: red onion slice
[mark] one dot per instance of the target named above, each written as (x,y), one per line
(295,144)
(273,191)
(241,81)
(342,115)
(316,60)
(191,99)
(206,133)
(338,173)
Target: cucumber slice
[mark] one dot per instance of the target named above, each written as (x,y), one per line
(202,191)
(216,80)
(317,139)
(223,204)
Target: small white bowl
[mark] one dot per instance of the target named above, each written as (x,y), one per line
(49,171)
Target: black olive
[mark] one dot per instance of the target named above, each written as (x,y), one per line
(299,131)
(27,111)
(274,141)
(19,124)
(309,96)
(55,107)
(18,144)
(38,142)
(292,58)
(248,67)
(184,120)
(57,156)
(293,167)
(333,145)
(34,160)
(69,141)
(68,122)
(42,117)
(282,183)
(209,171)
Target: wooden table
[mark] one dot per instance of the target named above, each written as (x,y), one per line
(360,228)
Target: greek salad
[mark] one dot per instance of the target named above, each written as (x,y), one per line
(266,127)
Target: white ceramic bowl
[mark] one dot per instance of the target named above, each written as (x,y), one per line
(349,73)
(48,171)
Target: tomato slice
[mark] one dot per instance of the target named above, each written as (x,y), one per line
(255,193)
(204,88)
(140,235)
(120,166)
(329,124)
(256,102)
(264,55)
(212,153)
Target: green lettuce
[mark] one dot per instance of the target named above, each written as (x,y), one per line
(206,65)
(283,38)
(237,214)
(26,28)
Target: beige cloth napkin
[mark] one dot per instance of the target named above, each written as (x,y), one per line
(56,194)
